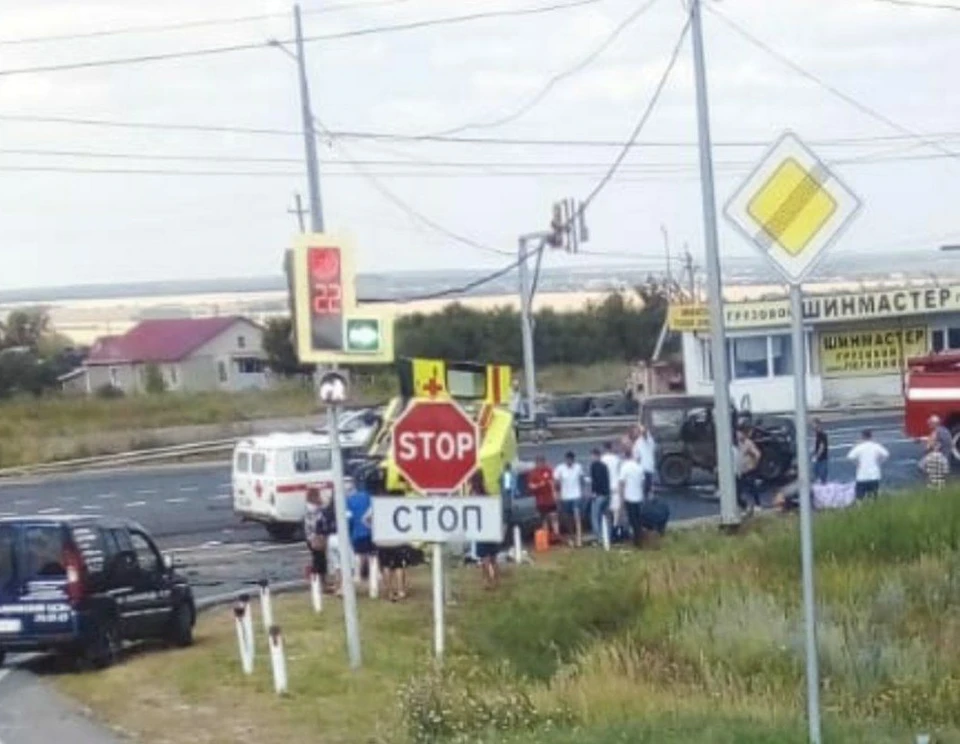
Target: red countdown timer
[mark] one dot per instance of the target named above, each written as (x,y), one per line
(326,288)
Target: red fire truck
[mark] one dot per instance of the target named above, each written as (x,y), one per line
(933,389)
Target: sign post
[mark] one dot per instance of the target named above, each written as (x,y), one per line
(792,208)
(435,448)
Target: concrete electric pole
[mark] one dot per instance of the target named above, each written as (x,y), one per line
(729,513)
(299,211)
(309,133)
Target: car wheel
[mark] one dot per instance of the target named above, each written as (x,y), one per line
(675,471)
(103,646)
(282,532)
(772,466)
(180,631)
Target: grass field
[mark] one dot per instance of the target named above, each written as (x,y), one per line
(39,430)
(699,642)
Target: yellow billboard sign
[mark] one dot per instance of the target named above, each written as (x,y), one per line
(329,325)
(851,354)
(875,304)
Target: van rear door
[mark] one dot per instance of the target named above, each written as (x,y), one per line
(33,582)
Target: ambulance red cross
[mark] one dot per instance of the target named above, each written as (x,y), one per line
(435,446)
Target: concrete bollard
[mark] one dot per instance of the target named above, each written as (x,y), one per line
(266,605)
(605,531)
(517,546)
(278,660)
(373,567)
(246,657)
(316,591)
(248,626)
(923,739)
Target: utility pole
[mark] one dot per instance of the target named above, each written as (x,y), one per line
(666,249)
(688,270)
(526,321)
(299,211)
(309,133)
(729,513)
(347,585)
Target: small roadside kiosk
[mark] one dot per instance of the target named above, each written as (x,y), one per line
(858,341)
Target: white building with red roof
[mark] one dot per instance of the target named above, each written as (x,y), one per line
(191,355)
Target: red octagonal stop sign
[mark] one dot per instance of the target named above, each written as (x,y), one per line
(435,446)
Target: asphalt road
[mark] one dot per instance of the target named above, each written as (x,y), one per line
(188,509)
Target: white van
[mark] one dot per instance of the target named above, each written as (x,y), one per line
(271,475)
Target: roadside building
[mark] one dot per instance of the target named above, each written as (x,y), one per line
(857,343)
(187,354)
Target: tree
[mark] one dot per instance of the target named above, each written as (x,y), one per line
(278,346)
(25,328)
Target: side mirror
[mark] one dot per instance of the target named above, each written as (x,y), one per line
(168,561)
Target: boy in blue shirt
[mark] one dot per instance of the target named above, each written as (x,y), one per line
(360,521)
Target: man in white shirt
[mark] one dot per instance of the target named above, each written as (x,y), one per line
(631,480)
(869,456)
(569,478)
(645,453)
(612,461)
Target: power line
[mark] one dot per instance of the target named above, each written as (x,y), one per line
(186,25)
(417,139)
(556,79)
(846,98)
(641,122)
(450,291)
(397,201)
(351,34)
(916,4)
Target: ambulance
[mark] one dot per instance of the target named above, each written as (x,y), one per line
(271,475)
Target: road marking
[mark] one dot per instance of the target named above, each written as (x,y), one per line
(92,507)
(52,510)
(146,491)
(8,514)
(220,497)
(22,502)
(189,489)
(132,504)
(177,500)
(106,495)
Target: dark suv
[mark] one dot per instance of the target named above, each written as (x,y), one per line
(84,585)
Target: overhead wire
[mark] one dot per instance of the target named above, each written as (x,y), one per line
(200,23)
(556,79)
(845,97)
(336,35)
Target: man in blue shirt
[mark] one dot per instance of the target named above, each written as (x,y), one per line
(360,520)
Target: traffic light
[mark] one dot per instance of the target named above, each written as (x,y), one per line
(557,227)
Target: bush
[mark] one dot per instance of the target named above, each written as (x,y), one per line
(108,392)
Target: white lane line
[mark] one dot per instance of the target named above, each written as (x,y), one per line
(106,495)
(146,491)
(189,489)
(132,504)
(67,499)
(92,507)
(52,510)
(220,497)
(7,514)
(23,502)
(177,500)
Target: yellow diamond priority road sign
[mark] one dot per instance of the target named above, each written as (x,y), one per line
(792,207)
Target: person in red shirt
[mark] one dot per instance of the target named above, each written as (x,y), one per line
(540,484)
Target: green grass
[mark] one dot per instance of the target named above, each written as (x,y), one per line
(63,427)
(699,642)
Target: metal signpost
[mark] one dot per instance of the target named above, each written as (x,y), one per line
(330,328)
(435,447)
(792,208)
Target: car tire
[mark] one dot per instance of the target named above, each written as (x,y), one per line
(180,630)
(675,471)
(282,532)
(772,467)
(103,645)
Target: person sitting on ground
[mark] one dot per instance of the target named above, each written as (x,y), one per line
(935,466)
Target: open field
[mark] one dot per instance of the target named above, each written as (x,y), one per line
(51,428)
(700,641)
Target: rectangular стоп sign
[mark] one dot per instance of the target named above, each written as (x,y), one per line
(435,519)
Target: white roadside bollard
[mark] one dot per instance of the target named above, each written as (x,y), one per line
(923,739)
(517,545)
(248,626)
(373,570)
(266,605)
(316,591)
(278,660)
(246,657)
(605,531)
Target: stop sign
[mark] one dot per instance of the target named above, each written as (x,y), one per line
(435,446)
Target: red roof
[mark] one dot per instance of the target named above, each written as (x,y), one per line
(156,341)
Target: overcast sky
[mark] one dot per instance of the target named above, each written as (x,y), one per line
(59,227)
